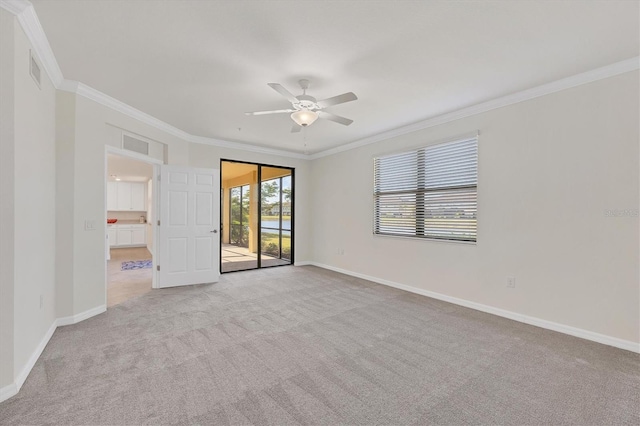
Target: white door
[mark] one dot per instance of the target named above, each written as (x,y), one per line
(189,220)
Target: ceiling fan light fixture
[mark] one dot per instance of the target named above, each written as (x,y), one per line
(304,117)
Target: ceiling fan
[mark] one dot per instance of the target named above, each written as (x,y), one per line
(306,109)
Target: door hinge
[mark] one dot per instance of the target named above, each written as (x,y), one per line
(158,267)
(158,222)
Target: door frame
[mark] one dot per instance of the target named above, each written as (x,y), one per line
(293,211)
(155,199)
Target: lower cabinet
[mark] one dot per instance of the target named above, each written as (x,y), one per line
(127,235)
(112,232)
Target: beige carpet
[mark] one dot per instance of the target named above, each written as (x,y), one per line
(301,345)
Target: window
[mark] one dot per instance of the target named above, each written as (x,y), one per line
(428,193)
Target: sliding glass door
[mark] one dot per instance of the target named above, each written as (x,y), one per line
(257,216)
(275,220)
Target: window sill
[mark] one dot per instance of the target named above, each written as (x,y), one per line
(435,240)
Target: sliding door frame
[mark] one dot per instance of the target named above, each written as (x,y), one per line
(293,214)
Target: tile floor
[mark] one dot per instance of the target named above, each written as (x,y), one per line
(125,285)
(236,258)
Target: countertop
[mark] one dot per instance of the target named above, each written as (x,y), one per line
(127,222)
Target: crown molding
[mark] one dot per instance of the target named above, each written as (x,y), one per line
(26,15)
(30,23)
(612,70)
(15,6)
(116,105)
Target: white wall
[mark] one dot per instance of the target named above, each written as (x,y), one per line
(548,170)
(34,205)
(7,190)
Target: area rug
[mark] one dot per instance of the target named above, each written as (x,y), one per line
(137,264)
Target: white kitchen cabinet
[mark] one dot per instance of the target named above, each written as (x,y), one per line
(124,236)
(138,198)
(138,235)
(126,196)
(112,195)
(113,235)
(127,235)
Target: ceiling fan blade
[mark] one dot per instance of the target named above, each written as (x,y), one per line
(284,92)
(340,99)
(296,128)
(333,117)
(276,111)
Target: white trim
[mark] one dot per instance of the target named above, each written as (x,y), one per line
(73,319)
(34,356)
(14,6)
(13,388)
(304,263)
(8,391)
(612,70)
(31,25)
(28,19)
(538,322)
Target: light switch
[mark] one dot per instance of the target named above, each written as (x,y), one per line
(89,225)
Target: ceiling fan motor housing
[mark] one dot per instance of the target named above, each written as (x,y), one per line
(306,102)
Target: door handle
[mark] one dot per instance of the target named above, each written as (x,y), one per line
(215,231)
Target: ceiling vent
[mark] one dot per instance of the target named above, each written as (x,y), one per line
(136,145)
(34,68)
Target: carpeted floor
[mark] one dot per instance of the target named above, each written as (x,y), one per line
(302,345)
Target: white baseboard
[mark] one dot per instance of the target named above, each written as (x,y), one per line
(81,316)
(34,356)
(303,263)
(8,391)
(538,322)
(13,388)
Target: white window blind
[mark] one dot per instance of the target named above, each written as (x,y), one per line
(428,193)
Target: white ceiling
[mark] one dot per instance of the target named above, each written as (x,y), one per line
(199,65)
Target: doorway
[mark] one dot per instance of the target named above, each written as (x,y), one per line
(257,217)
(130,236)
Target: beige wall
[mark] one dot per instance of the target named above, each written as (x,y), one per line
(28,189)
(7,190)
(548,170)
(84,285)
(65,176)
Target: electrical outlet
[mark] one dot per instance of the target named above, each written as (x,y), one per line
(511,282)
(341,252)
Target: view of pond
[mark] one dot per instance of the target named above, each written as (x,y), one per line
(286,224)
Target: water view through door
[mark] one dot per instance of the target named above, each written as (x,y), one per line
(257,216)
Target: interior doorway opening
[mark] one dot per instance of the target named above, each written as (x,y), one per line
(130,237)
(257,203)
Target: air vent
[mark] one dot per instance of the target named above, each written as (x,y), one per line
(34,68)
(133,144)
